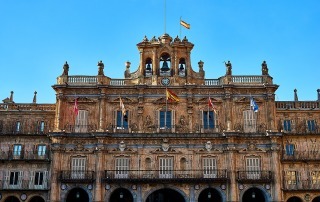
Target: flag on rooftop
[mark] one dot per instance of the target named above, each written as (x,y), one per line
(184,24)
(171,96)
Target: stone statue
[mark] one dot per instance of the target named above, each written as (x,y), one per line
(264,68)
(229,68)
(148,122)
(65,69)
(100,68)
(182,121)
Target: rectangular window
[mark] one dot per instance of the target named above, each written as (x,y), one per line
(209,167)
(17,149)
(14,178)
(122,120)
(41,150)
(165,119)
(78,167)
(38,178)
(253,168)
(18,126)
(165,167)
(249,118)
(41,127)
(291,177)
(290,149)
(122,168)
(81,125)
(311,125)
(208,119)
(287,125)
(315,177)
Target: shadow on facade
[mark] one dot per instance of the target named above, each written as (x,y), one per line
(77,195)
(294,199)
(165,195)
(210,195)
(317,199)
(121,195)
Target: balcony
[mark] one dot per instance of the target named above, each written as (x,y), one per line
(80,128)
(292,105)
(24,156)
(77,176)
(304,185)
(254,176)
(165,176)
(23,185)
(24,128)
(296,156)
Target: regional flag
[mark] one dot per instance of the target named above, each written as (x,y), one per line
(253,105)
(211,105)
(123,109)
(171,96)
(183,23)
(75,107)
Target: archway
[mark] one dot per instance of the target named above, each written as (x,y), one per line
(121,195)
(77,195)
(209,195)
(165,195)
(37,199)
(12,199)
(253,195)
(317,199)
(294,199)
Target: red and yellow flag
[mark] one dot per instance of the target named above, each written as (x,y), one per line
(171,96)
(212,106)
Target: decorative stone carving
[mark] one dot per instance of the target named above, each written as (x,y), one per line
(165,145)
(208,146)
(122,146)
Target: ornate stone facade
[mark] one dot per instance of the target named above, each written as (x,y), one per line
(122,140)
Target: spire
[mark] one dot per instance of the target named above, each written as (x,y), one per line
(11,96)
(34,97)
(295,95)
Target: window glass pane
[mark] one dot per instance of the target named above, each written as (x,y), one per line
(41,126)
(17,149)
(18,126)
(41,150)
(287,125)
(165,119)
(311,125)
(290,149)
(122,121)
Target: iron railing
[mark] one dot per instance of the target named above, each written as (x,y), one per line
(76,176)
(24,155)
(24,128)
(301,155)
(24,185)
(80,128)
(254,176)
(304,185)
(165,176)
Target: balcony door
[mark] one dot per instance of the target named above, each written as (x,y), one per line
(209,167)
(81,125)
(253,168)
(165,168)
(78,167)
(122,168)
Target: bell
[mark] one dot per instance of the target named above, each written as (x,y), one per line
(181,67)
(148,67)
(164,66)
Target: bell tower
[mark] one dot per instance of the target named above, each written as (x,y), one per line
(165,61)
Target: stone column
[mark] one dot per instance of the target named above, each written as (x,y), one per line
(102,112)
(99,171)
(57,115)
(275,149)
(231,168)
(55,169)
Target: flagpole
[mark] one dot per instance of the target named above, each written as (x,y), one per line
(165,16)
(180,27)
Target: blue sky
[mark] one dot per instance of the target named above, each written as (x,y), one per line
(38,36)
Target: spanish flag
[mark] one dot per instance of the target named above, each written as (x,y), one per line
(123,109)
(183,23)
(171,96)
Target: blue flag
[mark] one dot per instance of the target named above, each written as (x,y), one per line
(253,105)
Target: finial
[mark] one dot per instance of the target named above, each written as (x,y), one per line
(11,96)
(318,94)
(295,95)
(34,97)
(127,64)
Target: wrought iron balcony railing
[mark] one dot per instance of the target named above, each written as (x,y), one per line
(80,128)
(76,176)
(301,156)
(23,129)
(304,185)
(165,176)
(23,185)
(24,155)
(254,176)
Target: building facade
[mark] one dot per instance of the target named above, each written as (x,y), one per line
(163,133)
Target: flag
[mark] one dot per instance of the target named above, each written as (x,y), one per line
(211,105)
(183,23)
(75,107)
(171,96)
(123,109)
(253,105)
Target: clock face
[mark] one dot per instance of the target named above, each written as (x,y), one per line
(165,81)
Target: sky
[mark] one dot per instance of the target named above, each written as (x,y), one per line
(38,36)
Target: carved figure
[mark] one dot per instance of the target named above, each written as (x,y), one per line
(148,122)
(65,69)
(264,68)
(100,69)
(229,67)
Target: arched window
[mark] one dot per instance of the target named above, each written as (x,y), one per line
(165,64)
(148,67)
(182,67)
